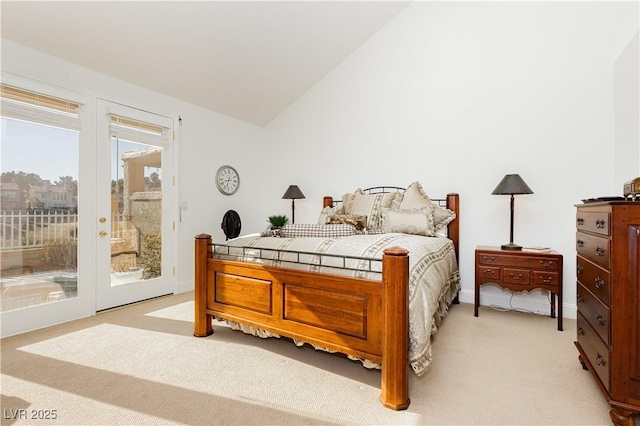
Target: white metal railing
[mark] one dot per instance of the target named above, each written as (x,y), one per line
(28,229)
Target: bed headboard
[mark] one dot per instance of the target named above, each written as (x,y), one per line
(451,202)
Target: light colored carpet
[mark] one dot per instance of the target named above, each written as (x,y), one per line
(141,365)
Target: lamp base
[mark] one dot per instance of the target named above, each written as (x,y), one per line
(511,246)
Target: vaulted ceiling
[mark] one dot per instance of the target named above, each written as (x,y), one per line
(247,60)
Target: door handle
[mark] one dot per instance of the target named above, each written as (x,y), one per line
(103,234)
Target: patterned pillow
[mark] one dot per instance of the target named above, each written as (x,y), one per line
(369,205)
(414,197)
(313,230)
(409,221)
(357,220)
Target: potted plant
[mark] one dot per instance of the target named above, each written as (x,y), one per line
(277,221)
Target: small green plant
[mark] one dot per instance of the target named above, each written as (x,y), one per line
(277,221)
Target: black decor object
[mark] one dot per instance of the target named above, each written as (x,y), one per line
(231,224)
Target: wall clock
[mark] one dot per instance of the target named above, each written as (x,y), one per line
(227,180)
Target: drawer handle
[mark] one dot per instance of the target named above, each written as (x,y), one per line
(599,282)
(579,269)
(600,319)
(489,259)
(600,251)
(600,223)
(580,298)
(516,277)
(545,280)
(580,331)
(546,263)
(580,243)
(600,360)
(489,271)
(580,221)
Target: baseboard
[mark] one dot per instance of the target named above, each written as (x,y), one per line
(533,301)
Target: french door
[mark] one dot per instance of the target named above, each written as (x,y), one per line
(135,192)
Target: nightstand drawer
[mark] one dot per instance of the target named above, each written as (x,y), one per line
(546,277)
(489,272)
(516,276)
(520,261)
(593,248)
(595,312)
(597,352)
(596,279)
(596,222)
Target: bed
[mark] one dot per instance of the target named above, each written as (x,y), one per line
(360,294)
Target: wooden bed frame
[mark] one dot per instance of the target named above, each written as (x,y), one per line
(364,318)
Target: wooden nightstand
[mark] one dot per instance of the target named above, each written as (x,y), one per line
(520,270)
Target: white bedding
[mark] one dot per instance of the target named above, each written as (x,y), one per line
(434,279)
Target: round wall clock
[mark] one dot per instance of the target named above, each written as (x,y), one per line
(227,180)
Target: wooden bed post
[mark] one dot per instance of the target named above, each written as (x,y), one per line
(327,201)
(202,321)
(453,204)
(395,346)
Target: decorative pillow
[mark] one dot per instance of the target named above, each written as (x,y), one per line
(409,221)
(270,233)
(357,220)
(369,205)
(313,230)
(414,197)
(326,213)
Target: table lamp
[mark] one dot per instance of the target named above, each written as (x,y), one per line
(293,193)
(511,185)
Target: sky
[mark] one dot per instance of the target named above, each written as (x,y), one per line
(51,152)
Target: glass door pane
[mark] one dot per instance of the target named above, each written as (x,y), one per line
(136,211)
(38,214)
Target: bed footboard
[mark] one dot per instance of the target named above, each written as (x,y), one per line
(364,318)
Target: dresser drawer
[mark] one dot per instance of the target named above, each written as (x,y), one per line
(546,277)
(489,272)
(597,352)
(596,279)
(595,312)
(594,248)
(518,261)
(516,276)
(596,222)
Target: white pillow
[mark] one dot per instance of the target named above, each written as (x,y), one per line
(369,205)
(414,197)
(409,221)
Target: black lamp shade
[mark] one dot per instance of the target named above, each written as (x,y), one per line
(512,184)
(293,193)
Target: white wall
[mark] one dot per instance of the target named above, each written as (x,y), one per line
(492,87)
(205,141)
(627,113)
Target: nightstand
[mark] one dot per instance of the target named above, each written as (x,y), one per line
(520,270)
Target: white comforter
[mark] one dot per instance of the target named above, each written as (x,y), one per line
(434,279)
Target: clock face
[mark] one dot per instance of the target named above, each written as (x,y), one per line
(227,180)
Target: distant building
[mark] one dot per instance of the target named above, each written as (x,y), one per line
(47,196)
(11,198)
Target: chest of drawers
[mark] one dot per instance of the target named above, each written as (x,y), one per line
(608,320)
